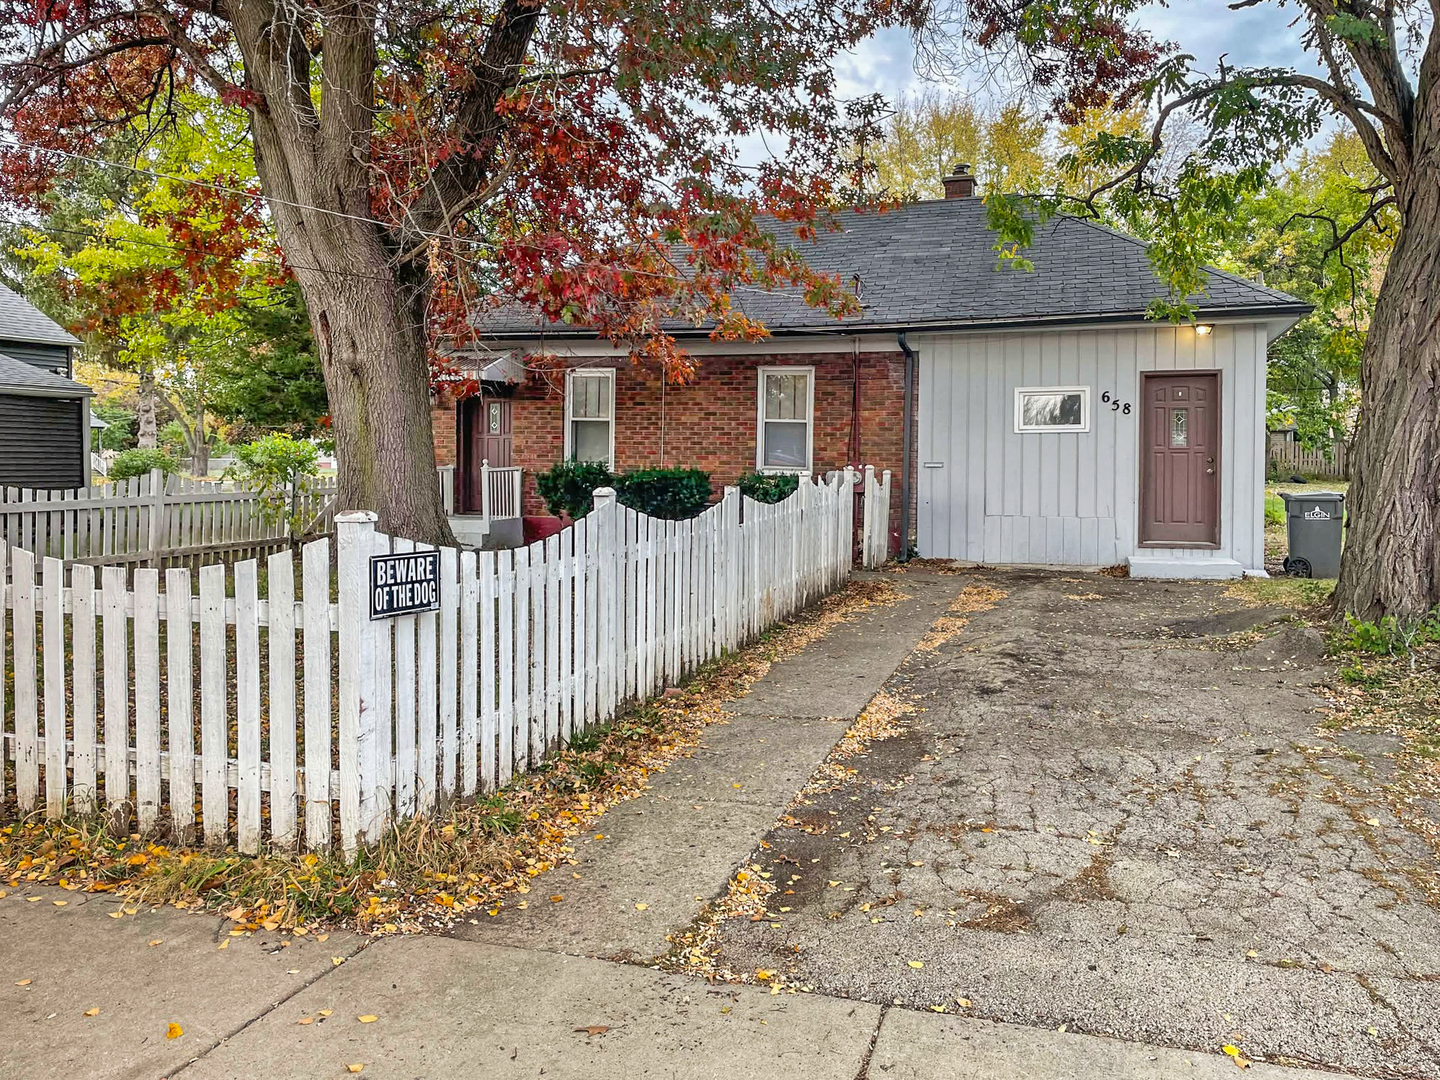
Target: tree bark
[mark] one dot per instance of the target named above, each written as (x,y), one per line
(1391,562)
(147,431)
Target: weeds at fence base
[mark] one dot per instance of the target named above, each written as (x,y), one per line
(471,862)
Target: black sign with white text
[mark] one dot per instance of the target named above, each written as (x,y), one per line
(404,584)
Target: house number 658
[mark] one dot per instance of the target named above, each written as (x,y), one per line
(1116,405)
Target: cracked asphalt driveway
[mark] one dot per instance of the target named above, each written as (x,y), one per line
(1113,811)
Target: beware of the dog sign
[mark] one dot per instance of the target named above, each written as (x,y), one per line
(404,584)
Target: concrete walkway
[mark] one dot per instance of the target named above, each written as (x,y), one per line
(536,992)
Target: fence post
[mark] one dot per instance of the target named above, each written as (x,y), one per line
(355,541)
(486,507)
(156,537)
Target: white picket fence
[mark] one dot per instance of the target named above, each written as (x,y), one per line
(151,519)
(317,717)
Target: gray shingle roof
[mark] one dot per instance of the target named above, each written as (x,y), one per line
(21,320)
(18,375)
(933,264)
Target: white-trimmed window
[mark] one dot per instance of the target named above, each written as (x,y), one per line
(785,419)
(1052,408)
(590,415)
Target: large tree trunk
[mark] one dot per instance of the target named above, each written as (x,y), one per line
(371,336)
(1391,563)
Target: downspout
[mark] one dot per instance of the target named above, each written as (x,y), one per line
(908,411)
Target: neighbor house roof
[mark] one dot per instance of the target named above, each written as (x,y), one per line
(933,265)
(21,320)
(16,376)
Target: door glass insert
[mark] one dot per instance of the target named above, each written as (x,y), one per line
(494,418)
(1179,427)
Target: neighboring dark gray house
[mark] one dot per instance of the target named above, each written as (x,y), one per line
(44,412)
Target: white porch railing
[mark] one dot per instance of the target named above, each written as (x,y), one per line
(499,490)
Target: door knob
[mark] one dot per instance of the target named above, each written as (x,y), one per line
(1209,472)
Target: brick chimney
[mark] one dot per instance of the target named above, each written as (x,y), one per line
(959,184)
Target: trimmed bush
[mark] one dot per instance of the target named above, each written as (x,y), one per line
(673,494)
(139,462)
(569,488)
(768,488)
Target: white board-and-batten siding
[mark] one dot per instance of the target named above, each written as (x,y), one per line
(989,494)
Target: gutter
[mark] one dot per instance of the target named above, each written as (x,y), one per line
(908,426)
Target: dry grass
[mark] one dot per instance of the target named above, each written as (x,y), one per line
(424,873)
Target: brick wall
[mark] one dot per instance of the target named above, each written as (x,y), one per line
(442,423)
(711,423)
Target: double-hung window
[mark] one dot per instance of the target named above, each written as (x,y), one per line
(590,415)
(785,419)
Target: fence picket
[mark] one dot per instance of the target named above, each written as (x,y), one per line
(449,658)
(316,569)
(405,692)
(538,690)
(117,695)
(469,674)
(521,659)
(280,653)
(247,707)
(214,721)
(147,698)
(426,710)
(554,688)
(505,666)
(52,629)
(82,648)
(489,709)
(179,699)
(27,735)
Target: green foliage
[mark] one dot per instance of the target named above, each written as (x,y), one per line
(569,488)
(120,429)
(1391,636)
(281,469)
(672,494)
(1274,510)
(272,377)
(768,488)
(137,462)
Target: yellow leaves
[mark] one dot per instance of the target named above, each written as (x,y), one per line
(138,859)
(963,1002)
(92,1012)
(173,1030)
(358,1066)
(225,944)
(917,964)
(737,785)
(305,1021)
(325,1012)
(594,1029)
(33,899)
(557,898)
(60,903)
(762,974)
(24,982)
(445,900)
(368,1018)
(155,941)
(642,907)
(337,960)
(1233,1053)
(115,914)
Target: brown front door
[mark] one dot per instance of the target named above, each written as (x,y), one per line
(1180,459)
(485,436)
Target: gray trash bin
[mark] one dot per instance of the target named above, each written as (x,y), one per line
(1315,521)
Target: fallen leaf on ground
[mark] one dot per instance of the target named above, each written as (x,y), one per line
(556,898)
(359,1066)
(326,1012)
(174,1031)
(964,1003)
(917,963)
(33,899)
(60,903)
(24,982)
(594,1029)
(92,1012)
(115,914)
(641,907)
(1233,1052)
(225,944)
(305,1020)
(155,941)
(368,1018)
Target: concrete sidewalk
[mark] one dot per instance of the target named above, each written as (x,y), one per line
(263,1010)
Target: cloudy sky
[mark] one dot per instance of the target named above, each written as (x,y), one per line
(1206,28)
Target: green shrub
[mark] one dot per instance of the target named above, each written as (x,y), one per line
(1390,636)
(673,494)
(569,488)
(1274,510)
(767,488)
(138,462)
(281,469)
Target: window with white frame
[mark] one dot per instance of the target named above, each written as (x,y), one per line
(1052,408)
(590,415)
(785,419)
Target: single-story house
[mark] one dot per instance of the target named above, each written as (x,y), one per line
(1027,417)
(44,412)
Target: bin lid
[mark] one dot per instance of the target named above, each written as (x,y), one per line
(1313,496)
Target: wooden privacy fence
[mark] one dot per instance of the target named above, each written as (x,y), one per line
(151,519)
(1333,463)
(289,716)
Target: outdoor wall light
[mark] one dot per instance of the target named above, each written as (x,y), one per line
(1203,329)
